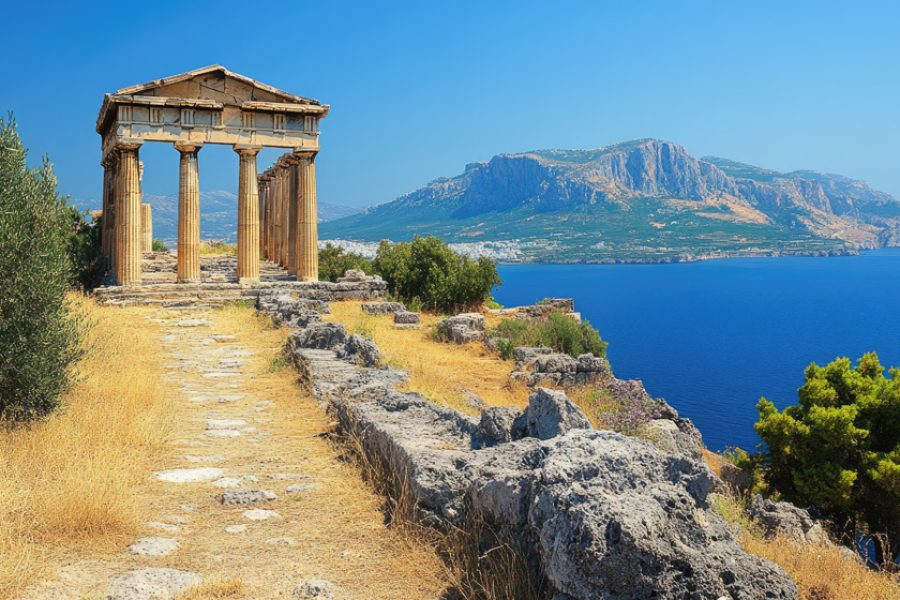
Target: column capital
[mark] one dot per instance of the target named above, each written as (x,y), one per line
(188,146)
(247,150)
(305,154)
(128,145)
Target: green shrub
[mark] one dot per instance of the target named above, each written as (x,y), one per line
(335,260)
(84,249)
(427,269)
(839,448)
(559,331)
(159,246)
(39,337)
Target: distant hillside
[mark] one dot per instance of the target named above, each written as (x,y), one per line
(644,200)
(218,215)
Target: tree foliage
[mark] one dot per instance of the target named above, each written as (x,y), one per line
(838,449)
(39,337)
(335,260)
(429,272)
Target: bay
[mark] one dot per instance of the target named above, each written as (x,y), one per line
(711,337)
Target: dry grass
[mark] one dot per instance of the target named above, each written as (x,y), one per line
(441,372)
(216,247)
(822,571)
(342,523)
(219,589)
(69,481)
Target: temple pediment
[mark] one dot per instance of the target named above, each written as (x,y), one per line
(217,84)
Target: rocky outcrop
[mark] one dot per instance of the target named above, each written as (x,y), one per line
(462,328)
(292,312)
(783,518)
(542,366)
(598,514)
(382,308)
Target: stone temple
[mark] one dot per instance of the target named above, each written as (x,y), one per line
(277,213)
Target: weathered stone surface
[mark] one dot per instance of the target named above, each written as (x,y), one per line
(153,546)
(462,328)
(246,496)
(360,350)
(315,588)
(260,514)
(739,481)
(235,529)
(550,413)
(786,519)
(323,336)
(382,308)
(665,435)
(405,317)
(189,475)
(496,426)
(151,584)
(524,354)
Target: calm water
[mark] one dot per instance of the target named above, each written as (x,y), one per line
(712,337)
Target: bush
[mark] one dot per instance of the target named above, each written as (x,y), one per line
(39,338)
(335,260)
(428,270)
(560,332)
(159,246)
(84,249)
(839,448)
(628,415)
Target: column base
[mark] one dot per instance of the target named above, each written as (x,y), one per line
(248,280)
(307,279)
(189,281)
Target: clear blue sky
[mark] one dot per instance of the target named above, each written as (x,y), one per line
(419,89)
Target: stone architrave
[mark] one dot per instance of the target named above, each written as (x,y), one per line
(248,216)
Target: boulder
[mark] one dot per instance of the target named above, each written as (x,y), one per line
(588,363)
(353,275)
(405,317)
(785,519)
(550,413)
(153,583)
(525,355)
(382,308)
(360,350)
(665,435)
(554,363)
(496,426)
(324,336)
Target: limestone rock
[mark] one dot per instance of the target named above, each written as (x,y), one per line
(151,584)
(382,308)
(315,588)
(524,354)
(786,519)
(360,350)
(740,481)
(153,546)
(323,336)
(246,496)
(405,317)
(260,514)
(496,426)
(550,413)
(665,434)
(190,475)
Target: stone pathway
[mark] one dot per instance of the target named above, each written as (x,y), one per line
(255,493)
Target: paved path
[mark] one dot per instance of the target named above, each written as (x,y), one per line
(255,495)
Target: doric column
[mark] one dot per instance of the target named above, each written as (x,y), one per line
(188,213)
(293,189)
(128,217)
(261,192)
(307,220)
(107,210)
(284,226)
(248,217)
(146,227)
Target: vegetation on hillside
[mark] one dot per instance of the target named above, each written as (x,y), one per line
(558,331)
(838,449)
(428,272)
(40,236)
(334,261)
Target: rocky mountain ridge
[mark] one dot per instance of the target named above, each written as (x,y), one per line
(601,195)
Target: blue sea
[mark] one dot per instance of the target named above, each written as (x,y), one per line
(712,337)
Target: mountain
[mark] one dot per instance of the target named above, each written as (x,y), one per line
(643,200)
(218,215)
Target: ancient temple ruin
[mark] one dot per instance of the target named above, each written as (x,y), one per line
(276,211)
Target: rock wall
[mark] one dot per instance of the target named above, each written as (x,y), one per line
(599,514)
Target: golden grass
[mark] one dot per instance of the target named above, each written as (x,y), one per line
(219,589)
(341,524)
(69,481)
(441,372)
(822,571)
(215,247)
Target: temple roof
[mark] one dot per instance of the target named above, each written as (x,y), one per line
(151,87)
